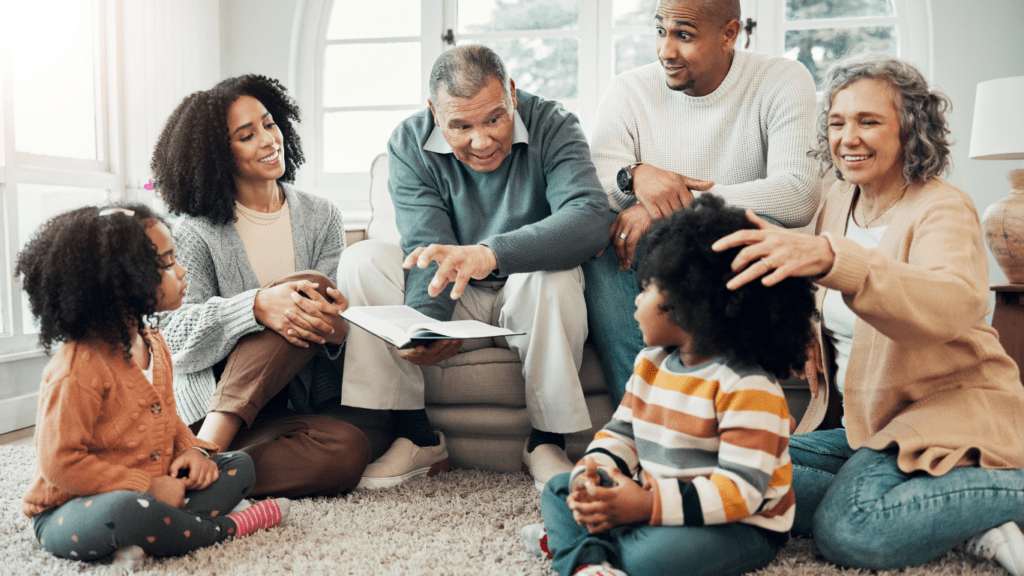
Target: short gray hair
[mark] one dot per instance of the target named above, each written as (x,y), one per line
(464,70)
(923,128)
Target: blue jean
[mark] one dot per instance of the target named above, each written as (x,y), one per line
(610,295)
(864,512)
(641,550)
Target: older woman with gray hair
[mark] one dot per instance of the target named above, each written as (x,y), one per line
(915,442)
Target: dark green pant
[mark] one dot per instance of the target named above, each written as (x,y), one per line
(92,527)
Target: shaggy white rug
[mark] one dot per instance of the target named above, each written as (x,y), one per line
(465,522)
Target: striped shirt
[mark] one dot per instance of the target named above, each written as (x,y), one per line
(712,440)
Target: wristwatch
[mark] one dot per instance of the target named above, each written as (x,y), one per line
(625,178)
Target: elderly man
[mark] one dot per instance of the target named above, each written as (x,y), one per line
(703,118)
(497,188)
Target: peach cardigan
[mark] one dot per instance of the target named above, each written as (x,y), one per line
(926,372)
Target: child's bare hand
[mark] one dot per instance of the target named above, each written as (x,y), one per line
(580,482)
(201,470)
(625,503)
(168,490)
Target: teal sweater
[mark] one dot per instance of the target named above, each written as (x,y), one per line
(542,209)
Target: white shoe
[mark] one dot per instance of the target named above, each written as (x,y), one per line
(544,463)
(405,460)
(1004,544)
(130,558)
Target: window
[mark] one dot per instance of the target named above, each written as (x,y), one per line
(54,156)
(368,73)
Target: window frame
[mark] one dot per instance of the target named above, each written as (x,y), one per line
(18,168)
(596,33)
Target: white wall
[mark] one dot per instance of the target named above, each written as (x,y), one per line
(257,37)
(974,42)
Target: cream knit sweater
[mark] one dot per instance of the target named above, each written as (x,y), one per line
(751,135)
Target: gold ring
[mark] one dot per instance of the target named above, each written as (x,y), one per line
(623,235)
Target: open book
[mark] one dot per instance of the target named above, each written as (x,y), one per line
(407,328)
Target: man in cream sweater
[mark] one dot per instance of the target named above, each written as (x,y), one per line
(705,117)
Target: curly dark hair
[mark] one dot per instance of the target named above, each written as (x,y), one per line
(767,326)
(92,277)
(193,166)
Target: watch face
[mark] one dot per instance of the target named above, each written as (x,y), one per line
(624,179)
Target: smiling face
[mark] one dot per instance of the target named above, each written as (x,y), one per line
(256,141)
(864,135)
(694,46)
(171,290)
(479,128)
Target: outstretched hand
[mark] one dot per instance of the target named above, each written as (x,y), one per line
(456,264)
(773,254)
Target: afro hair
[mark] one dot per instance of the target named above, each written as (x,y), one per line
(193,166)
(89,276)
(767,326)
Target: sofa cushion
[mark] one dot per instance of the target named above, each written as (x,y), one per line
(382,217)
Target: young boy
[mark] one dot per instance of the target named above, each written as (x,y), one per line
(703,424)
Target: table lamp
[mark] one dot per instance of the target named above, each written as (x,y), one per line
(998,134)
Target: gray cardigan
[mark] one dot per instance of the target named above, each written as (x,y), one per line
(217,309)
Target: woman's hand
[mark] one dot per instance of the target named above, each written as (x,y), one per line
(201,470)
(775,253)
(296,311)
(168,490)
(601,509)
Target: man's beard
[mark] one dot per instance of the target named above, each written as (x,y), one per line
(689,85)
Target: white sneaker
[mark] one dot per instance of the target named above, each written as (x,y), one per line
(1004,544)
(602,569)
(535,536)
(130,558)
(405,460)
(544,463)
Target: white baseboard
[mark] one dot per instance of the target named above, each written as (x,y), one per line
(18,412)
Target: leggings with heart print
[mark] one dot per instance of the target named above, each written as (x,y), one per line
(92,527)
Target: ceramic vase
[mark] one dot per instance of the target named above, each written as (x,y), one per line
(1003,224)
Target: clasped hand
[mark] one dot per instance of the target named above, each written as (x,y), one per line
(601,509)
(170,489)
(300,314)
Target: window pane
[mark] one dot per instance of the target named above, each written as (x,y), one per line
(353,139)
(38,203)
(816,49)
(353,74)
(366,19)
(54,89)
(813,9)
(547,67)
(634,51)
(633,12)
(495,15)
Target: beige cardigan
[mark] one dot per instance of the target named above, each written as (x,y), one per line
(926,372)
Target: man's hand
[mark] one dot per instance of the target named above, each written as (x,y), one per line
(436,351)
(662,192)
(201,470)
(605,508)
(455,264)
(168,490)
(626,230)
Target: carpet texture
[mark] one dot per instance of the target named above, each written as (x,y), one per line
(464,522)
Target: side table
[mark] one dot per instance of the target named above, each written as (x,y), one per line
(1008,319)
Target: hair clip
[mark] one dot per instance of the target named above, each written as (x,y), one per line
(109,211)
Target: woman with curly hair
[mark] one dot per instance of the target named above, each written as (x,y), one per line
(113,479)
(255,333)
(915,443)
(703,416)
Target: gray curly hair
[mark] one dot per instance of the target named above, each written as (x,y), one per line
(923,128)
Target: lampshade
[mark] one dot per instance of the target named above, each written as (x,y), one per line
(998,132)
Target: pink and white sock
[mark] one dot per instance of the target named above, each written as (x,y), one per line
(262,515)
